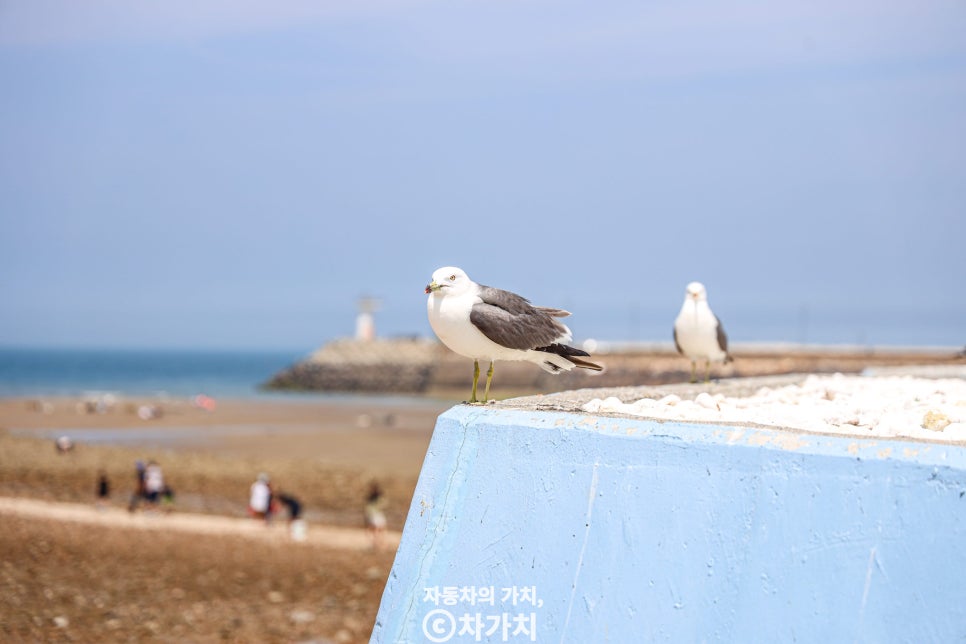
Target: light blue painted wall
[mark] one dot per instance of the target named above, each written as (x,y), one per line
(633,530)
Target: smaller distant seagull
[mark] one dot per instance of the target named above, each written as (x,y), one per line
(698,334)
(485,323)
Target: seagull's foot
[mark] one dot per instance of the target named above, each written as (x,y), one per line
(480,403)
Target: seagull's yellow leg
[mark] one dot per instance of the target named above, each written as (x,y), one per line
(694,378)
(707,371)
(476,379)
(489,377)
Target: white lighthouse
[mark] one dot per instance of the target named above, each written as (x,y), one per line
(365,322)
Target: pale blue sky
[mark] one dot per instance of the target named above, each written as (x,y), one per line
(237,174)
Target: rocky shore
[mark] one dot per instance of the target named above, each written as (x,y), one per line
(420,365)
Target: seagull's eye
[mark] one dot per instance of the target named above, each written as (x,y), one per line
(452,278)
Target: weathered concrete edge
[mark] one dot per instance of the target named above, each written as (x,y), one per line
(573,400)
(747,435)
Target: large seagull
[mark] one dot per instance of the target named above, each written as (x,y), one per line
(486,323)
(698,333)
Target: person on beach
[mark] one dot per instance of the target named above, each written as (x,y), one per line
(375,515)
(167,498)
(260,498)
(64,444)
(153,483)
(295,522)
(139,491)
(292,504)
(103,489)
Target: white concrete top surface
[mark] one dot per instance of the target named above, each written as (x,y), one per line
(864,406)
(918,403)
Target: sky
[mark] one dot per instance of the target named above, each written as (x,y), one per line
(237,174)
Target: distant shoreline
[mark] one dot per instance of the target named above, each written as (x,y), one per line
(225,374)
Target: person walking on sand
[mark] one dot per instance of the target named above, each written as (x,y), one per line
(295,522)
(153,483)
(103,490)
(294,505)
(375,515)
(260,498)
(139,491)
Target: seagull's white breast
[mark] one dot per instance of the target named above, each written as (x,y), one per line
(449,315)
(697,332)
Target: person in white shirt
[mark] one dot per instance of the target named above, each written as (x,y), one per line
(260,498)
(153,483)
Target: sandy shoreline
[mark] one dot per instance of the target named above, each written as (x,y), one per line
(382,434)
(66,411)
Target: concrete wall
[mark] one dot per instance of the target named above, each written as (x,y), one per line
(632,530)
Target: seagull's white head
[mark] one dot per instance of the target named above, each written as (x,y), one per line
(696,292)
(449,280)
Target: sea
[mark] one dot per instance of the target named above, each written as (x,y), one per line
(139,372)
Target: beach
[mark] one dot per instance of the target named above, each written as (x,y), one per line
(325,452)
(201,570)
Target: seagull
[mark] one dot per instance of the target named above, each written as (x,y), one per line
(486,323)
(698,333)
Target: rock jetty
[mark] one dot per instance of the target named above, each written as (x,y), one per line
(421,365)
(379,365)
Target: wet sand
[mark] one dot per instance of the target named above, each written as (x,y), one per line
(383,434)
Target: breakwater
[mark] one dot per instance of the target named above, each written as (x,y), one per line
(420,365)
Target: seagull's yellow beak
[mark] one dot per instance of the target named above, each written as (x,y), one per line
(432,286)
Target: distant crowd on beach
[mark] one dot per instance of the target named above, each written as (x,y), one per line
(266,500)
(264,503)
(109,403)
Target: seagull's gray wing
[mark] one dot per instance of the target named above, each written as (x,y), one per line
(511,321)
(678,346)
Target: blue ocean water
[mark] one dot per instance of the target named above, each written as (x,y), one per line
(227,374)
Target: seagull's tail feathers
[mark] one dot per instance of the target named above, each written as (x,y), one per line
(554,313)
(585,364)
(560,357)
